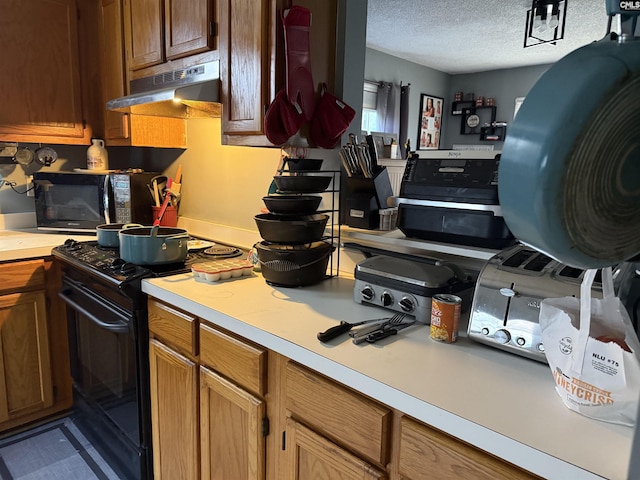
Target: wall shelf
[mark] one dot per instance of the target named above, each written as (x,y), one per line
(493,133)
(473,118)
(462,107)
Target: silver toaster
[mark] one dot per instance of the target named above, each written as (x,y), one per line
(506,302)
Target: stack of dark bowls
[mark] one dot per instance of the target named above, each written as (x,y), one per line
(293,253)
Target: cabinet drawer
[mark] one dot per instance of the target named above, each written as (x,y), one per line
(238,360)
(428,453)
(173,326)
(27,275)
(356,422)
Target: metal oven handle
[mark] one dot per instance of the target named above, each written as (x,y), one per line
(107,207)
(120,327)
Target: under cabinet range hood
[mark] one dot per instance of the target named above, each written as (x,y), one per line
(183,93)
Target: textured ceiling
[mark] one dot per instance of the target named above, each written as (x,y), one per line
(467,36)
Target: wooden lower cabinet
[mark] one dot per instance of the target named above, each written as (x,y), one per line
(174,413)
(24,355)
(212,393)
(311,456)
(207,400)
(426,453)
(231,420)
(35,379)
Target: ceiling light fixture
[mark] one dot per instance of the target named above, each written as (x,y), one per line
(545,22)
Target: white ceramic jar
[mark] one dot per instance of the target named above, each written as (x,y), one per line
(97,156)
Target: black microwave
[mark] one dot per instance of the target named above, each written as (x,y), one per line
(80,201)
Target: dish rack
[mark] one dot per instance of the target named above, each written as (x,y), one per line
(330,206)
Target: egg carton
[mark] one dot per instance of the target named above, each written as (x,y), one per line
(222,270)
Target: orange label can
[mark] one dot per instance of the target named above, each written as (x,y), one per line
(445,317)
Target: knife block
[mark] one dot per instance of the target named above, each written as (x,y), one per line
(365,197)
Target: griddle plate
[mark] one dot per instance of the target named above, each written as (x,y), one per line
(415,273)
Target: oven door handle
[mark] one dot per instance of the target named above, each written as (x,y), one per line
(120,327)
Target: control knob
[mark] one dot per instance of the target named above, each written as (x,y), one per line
(72,245)
(127,268)
(502,336)
(406,304)
(387,299)
(367,293)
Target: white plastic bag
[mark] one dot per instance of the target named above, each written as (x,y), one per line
(594,375)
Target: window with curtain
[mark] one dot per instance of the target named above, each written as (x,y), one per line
(384,108)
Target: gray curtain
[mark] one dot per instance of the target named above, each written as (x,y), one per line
(388,108)
(392,107)
(404,117)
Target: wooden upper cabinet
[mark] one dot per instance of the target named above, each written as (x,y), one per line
(158,31)
(114,75)
(244,65)
(123,129)
(40,90)
(144,32)
(189,27)
(253,67)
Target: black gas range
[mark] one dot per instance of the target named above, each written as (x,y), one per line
(109,347)
(105,263)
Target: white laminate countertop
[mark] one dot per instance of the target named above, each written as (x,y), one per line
(33,243)
(500,402)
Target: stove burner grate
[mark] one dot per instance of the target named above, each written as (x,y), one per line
(221,251)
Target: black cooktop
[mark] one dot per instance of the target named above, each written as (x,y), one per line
(106,263)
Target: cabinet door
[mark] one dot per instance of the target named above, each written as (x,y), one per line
(232,440)
(116,125)
(310,455)
(40,89)
(144,33)
(188,27)
(174,413)
(243,64)
(25,362)
(123,129)
(426,453)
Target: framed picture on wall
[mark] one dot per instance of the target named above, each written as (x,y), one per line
(429,122)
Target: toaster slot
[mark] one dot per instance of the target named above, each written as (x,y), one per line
(538,263)
(514,261)
(570,272)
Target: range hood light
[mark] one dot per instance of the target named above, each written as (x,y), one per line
(185,93)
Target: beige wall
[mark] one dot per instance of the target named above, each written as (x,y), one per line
(223,184)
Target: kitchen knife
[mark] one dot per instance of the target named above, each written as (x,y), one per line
(380,333)
(362,161)
(343,327)
(345,162)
